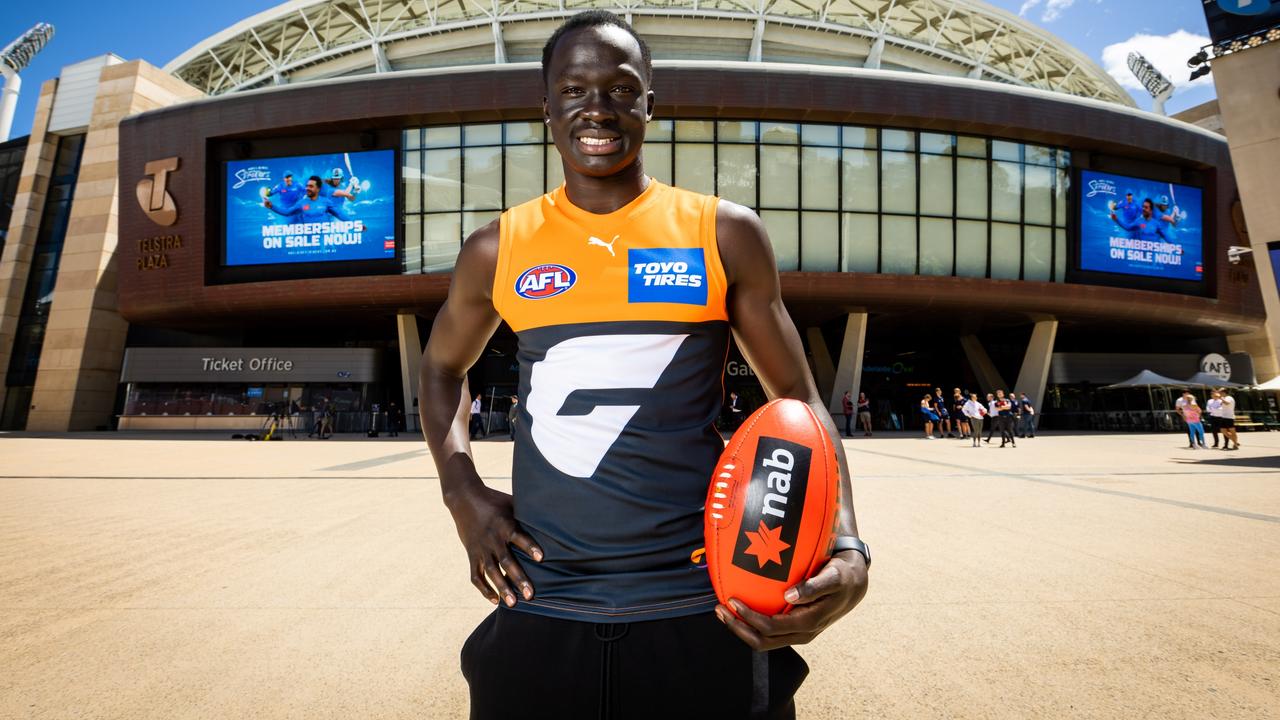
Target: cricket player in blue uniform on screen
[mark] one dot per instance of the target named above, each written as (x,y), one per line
(1146,227)
(311,209)
(288,191)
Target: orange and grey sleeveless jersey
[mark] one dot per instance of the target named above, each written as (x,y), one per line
(622,335)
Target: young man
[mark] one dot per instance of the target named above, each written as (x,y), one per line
(1027,420)
(1213,410)
(864,413)
(1006,419)
(1226,421)
(596,562)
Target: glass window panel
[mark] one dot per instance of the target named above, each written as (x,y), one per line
(898,182)
(935,246)
(1063,157)
(736,174)
(695,167)
(1038,155)
(1039,190)
(779,133)
(442,237)
(1005,150)
(858,137)
(971,249)
(936,185)
(898,140)
(524,173)
(971,188)
(657,161)
(482,170)
(659,130)
(783,228)
(819,182)
(736,131)
(1059,255)
(779,177)
(412,244)
(442,136)
(936,143)
(820,134)
(412,138)
(819,242)
(1006,191)
(483,134)
(861,182)
(1061,194)
(971,146)
(472,221)
(1006,251)
(1037,246)
(695,131)
(860,238)
(555,168)
(412,174)
(898,245)
(524,133)
(443,170)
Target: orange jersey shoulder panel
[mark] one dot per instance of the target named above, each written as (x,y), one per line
(654,259)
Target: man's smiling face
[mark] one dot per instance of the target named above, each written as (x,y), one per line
(598,100)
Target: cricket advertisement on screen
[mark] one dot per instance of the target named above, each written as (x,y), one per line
(310,208)
(1132,226)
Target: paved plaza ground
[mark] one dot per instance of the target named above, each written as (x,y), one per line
(1077,576)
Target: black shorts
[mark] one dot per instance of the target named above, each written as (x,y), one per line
(1221,422)
(523,665)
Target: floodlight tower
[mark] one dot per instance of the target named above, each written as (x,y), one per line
(1155,83)
(14,59)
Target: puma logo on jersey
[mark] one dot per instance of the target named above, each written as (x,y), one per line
(544,281)
(594,241)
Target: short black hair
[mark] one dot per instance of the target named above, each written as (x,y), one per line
(319,182)
(592,19)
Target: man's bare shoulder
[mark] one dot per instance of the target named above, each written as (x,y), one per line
(742,240)
(478,261)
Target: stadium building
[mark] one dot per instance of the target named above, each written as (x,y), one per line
(938,178)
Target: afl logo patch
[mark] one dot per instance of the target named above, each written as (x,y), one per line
(544,281)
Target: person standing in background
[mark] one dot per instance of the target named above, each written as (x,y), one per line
(930,417)
(477,427)
(1027,425)
(512,413)
(957,412)
(847,405)
(864,413)
(1213,408)
(1189,409)
(1005,405)
(974,411)
(993,416)
(736,415)
(1227,421)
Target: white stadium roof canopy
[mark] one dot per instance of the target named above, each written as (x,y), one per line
(305,40)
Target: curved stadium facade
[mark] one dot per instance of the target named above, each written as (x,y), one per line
(918,164)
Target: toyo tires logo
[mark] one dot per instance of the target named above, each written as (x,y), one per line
(544,281)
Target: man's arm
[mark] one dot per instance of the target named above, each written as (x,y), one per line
(280,211)
(483,516)
(769,341)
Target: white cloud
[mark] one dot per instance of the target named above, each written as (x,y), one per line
(1027,7)
(1053,9)
(1168,53)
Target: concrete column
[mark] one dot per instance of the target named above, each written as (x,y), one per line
(989,379)
(849,367)
(28,205)
(410,361)
(824,371)
(85,338)
(1035,364)
(1246,82)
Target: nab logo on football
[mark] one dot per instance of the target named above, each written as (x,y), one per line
(775,502)
(544,281)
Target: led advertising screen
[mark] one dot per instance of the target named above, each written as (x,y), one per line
(1132,226)
(311,208)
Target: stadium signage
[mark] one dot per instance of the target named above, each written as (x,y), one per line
(1215,365)
(254,364)
(153,191)
(153,251)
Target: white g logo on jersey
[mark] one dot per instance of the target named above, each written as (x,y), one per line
(576,444)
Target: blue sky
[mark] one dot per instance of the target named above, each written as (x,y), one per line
(1167,32)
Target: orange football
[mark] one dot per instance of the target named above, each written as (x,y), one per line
(772,506)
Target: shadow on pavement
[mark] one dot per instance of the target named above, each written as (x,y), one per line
(1270,461)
